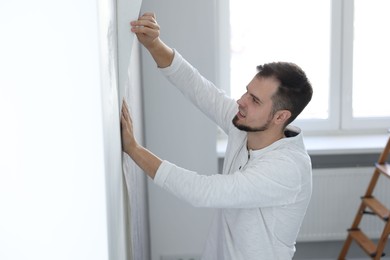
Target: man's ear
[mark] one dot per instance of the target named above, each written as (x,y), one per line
(282,116)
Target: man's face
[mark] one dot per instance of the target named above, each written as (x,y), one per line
(255,106)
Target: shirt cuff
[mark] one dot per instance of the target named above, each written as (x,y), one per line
(175,65)
(162,173)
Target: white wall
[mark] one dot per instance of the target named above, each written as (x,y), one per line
(52,178)
(174,129)
(62,191)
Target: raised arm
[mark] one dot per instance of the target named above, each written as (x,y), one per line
(148,31)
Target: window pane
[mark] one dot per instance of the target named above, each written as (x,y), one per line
(371,87)
(282,30)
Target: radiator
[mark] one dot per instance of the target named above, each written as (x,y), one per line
(335,201)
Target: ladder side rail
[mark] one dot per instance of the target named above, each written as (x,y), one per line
(382,159)
(355,225)
(385,153)
(383,240)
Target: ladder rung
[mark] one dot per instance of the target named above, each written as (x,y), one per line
(383,168)
(364,242)
(377,207)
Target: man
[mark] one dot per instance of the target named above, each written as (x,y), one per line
(265,188)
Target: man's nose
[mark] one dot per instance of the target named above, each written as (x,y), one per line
(241,101)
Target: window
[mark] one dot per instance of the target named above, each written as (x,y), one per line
(370,56)
(341,45)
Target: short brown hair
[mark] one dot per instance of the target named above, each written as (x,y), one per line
(295,90)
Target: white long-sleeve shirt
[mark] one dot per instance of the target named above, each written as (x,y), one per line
(262,195)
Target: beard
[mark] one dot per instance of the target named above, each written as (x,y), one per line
(251,129)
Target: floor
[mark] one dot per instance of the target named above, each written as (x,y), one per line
(329,250)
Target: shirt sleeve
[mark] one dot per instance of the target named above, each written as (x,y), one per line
(252,188)
(213,102)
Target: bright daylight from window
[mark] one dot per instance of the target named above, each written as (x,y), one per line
(267,31)
(371,87)
(344,52)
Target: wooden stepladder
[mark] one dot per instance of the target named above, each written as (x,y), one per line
(370,205)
